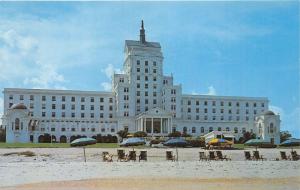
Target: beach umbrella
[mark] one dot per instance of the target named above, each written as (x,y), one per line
(83,142)
(256,142)
(135,141)
(216,141)
(176,142)
(291,142)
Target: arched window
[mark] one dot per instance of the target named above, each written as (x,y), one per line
(219,129)
(227,128)
(271,128)
(185,129)
(17,124)
(211,129)
(194,130)
(236,130)
(202,129)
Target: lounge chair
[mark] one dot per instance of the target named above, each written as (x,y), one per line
(256,156)
(106,157)
(284,156)
(220,156)
(121,155)
(212,155)
(247,155)
(295,156)
(132,155)
(143,155)
(170,156)
(202,156)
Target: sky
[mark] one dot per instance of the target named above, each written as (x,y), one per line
(216,48)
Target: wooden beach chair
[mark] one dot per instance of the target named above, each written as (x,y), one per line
(220,156)
(170,156)
(106,157)
(212,155)
(202,156)
(295,156)
(256,156)
(121,155)
(143,156)
(132,155)
(284,156)
(247,155)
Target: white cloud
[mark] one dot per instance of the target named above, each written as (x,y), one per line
(276,109)
(109,71)
(195,93)
(211,91)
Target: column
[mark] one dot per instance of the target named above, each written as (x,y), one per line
(152,125)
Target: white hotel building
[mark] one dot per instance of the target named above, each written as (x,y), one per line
(142,99)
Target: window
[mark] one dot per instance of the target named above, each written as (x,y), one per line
(82,115)
(63,114)
(197,110)
(121,79)
(214,110)
(154,101)
(202,129)
(173,91)
(101,107)
(53,106)
(10,104)
(189,110)
(63,129)
(214,103)
(237,111)
(205,117)
(82,107)
(262,105)
(236,130)
(237,104)
(21,97)
(211,129)
(73,99)
(244,130)
(154,63)
(205,103)
(93,129)
(53,98)
(52,129)
(222,103)
(138,93)
(138,77)
(146,93)
(73,114)
(189,102)
(11,97)
(205,110)
(184,130)
(154,78)
(146,63)
(126,114)
(229,103)
(103,130)
(43,98)
(247,104)
(73,107)
(110,100)
(63,106)
(237,118)
(17,124)
(193,129)
(254,104)
(31,106)
(154,70)
(271,128)
(138,85)
(101,99)
(110,115)
(222,110)
(101,115)
(110,108)
(146,101)
(197,117)
(92,115)
(43,114)
(154,94)
(197,103)
(227,128)
(219,129)
(82,99)
(73,129)
(138,62)
(82,129)
(92,107)
(138,69)
(214,117)
(31,97)
(146,86)
(53,114)
(146,70)
(63,98)
(229,111)
(254,111)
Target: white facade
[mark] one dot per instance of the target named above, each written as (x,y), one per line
(142,98)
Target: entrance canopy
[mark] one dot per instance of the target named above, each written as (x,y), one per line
(156,122)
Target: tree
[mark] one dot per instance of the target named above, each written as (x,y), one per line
(174,134)
(284,135)
(247,136)
(122,133)
(140,134)
(184,134)
(2,135)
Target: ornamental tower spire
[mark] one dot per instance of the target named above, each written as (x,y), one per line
(142,33)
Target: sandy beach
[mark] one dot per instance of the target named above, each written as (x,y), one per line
(63,168)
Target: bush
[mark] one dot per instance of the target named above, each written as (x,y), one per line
(196,143)
(106,139)
(186,135)
(140,134)
(122,133)
(2,135)
(174,134)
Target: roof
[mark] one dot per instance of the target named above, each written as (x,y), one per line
(138,43)
(19,106)
(268,113)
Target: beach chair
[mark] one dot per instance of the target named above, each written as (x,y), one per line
(284,156)
(247,155)
(295,156)
(212,155)
(143,156)
(170,156)
(132,155)
(106,157)
(121,155)
(256,156)
(220,156)
(202,156)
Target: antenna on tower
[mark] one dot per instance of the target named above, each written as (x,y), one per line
(142,33)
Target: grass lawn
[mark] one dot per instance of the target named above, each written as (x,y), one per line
(54,145)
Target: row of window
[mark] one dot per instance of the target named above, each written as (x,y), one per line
(63,98)
(82,115)
(202,129)
(63,129)
(213,103)
(138,62)
(222,118)
(189,110)
(146,70)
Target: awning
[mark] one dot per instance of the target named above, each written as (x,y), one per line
(228,136)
